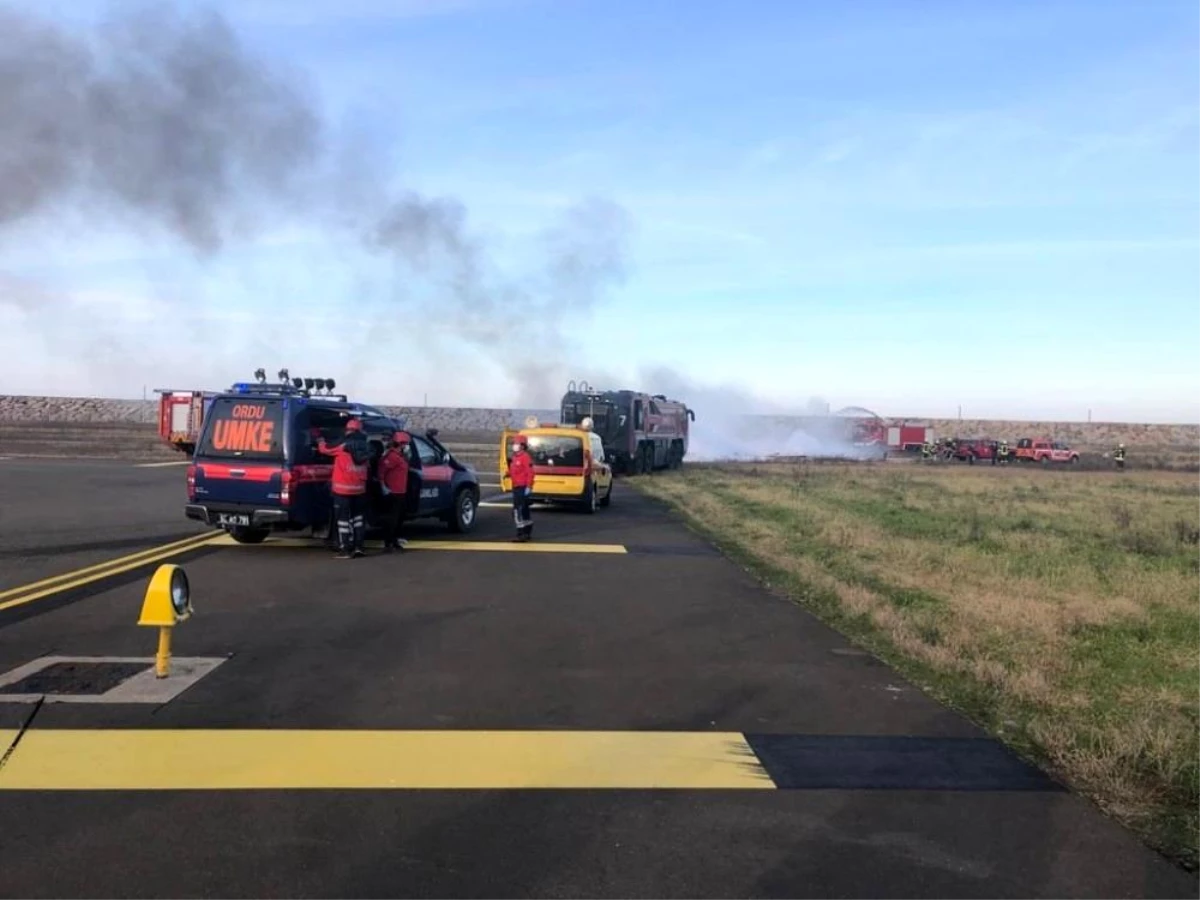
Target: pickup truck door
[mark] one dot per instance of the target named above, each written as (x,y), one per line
(434,477)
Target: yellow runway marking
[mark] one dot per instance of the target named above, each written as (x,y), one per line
(484,546)
(160,465)
(36,590)
(58,760)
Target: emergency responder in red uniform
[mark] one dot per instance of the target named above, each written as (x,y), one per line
(520,470)
(350,468)
(393,480)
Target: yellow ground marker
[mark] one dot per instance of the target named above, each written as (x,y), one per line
(89,760)
(225,540)
(36,590)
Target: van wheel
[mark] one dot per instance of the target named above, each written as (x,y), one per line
(589,498)
(606,500)
(466,506)
(246,535)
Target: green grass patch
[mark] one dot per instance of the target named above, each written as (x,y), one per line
(1058,610)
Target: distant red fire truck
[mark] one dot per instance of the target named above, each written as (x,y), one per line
(180,415)
(871,432)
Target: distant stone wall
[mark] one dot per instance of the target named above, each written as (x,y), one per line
(1085,435)
(89,409)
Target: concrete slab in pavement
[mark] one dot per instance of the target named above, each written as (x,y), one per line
(500,716)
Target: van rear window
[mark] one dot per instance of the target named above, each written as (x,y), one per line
(245,429)
(555,450)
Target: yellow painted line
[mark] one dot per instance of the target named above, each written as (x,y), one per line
(183,542)
(225,540)
(69,580)
(99,760)
(160,465)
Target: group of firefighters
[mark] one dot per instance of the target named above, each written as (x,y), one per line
(1002,455)
(358,481)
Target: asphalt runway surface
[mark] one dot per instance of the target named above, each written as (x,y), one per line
(614,710)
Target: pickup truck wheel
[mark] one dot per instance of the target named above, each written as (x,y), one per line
(466,505)
(245,535)
(1045,460)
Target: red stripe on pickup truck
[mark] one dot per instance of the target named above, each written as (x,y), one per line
(238,473)
(311,474)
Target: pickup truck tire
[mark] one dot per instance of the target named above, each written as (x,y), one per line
(464,511)
(243,534)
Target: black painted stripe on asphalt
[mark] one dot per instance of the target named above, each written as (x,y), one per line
(836,762)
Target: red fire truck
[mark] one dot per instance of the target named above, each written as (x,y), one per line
(180,415)
(640,432)
(905,438)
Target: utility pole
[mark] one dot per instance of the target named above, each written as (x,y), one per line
(960,412)
(1089,416)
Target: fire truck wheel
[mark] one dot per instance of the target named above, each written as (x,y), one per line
(245,535)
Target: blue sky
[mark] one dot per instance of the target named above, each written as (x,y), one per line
(906,206)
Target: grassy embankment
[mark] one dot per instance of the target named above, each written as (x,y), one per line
(1058,609)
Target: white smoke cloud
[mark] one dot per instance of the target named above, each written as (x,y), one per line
(733,423)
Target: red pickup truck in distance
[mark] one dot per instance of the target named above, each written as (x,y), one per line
(1045,451)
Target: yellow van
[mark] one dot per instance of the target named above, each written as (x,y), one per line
(568,464)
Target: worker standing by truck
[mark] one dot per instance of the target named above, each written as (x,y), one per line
(520,470)
(393,483)
(350,466)
(1119,456)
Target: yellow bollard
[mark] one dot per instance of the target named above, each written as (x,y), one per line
(168,601)
(162,662)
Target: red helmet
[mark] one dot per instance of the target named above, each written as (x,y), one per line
(354,425)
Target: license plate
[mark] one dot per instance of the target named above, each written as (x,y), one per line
(232,519)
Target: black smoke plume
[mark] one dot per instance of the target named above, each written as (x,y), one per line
(155,121)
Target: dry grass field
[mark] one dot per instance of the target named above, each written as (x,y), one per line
(1059,609)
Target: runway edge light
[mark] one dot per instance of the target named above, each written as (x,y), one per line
(168,601)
